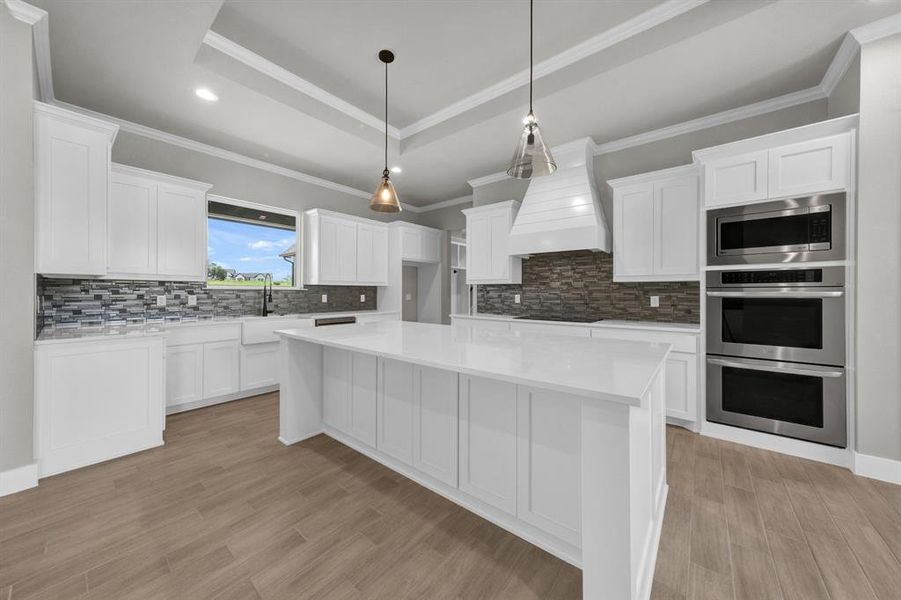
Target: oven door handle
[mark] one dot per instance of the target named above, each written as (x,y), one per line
(822,372)
(775,294)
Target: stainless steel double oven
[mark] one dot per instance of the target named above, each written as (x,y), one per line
(776,348)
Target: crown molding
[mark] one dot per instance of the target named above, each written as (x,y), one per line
(188,144)
(632,27)
(878,29)
(488,179)
(40,35)
(440,205)
(843,58)
(282,75)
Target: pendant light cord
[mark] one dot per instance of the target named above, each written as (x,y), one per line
(386,117)
(531,43)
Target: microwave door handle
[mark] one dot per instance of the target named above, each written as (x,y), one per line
(761,294)
(823,373)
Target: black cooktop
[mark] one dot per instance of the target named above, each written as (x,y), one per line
(562,318)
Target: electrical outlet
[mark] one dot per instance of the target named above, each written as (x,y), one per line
(362,297)
(516,299)
(192,300)
(408,297)
(655,301)
(325,297)
(161,300)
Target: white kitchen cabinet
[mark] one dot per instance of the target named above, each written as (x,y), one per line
(395,409)
(184,374)
(458,254)
(736,179)
(96,400)
(71,170)
(259,366)
(420,244)
(220,368)
(372,254)
(549,450)
(655,226)
(809,167)
(344,250)
(682,374)
(487,234)
(363,397)
(488,444)
(336,388)
(435,423)
(157,226)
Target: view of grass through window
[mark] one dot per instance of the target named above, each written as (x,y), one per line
(242,253)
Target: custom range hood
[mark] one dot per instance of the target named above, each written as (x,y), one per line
(562,211)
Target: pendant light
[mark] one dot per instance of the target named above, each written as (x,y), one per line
(385,197)
(531,158)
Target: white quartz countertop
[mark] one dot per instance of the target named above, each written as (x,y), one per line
(50,335)
(607,323)
(611,370)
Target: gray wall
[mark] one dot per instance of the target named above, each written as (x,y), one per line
(239,181)
(16,244)
(845,98)
(879,251)
(671,152)
(448,219)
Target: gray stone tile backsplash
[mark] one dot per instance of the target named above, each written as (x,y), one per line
(90,302)
(566,283)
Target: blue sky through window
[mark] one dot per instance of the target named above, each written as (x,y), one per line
(249,249)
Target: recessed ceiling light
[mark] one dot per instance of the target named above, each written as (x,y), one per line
(396,169)
(262,217)
(206,94)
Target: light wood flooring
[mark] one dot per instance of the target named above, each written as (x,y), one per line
(224,511)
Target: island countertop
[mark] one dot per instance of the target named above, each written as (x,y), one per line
(612,370)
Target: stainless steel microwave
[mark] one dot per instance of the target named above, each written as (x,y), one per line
(805,229)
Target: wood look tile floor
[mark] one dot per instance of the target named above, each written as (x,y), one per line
(225,511)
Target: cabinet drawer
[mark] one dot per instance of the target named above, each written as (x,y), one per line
(682,342)
(201,334)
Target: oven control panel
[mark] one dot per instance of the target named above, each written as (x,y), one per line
(775,276)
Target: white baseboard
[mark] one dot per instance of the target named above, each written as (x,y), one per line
(288,442)
(776,443)
(177,408)
(683,423)
(18,479)
(876,467)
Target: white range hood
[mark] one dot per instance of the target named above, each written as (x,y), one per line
(562,212)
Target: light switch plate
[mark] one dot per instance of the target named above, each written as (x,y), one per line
(516,299)
(362,297)
(192,300)
(325,297)
(655,301)
(161,300)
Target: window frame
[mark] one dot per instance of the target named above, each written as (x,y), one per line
(298,233)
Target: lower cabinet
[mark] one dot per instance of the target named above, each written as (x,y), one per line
(395,409)
(220,368)
(682,386)
(97,400)
(549,445)
(202,363)
(184,374)
(435,423)
(259,366)
(349,393)
(488,442)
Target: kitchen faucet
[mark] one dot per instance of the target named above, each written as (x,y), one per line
(267,297)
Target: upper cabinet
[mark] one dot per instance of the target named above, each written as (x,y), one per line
(72,162)
(655,226)
(157,226)
(807,160)
(487,232)
(458,254)
(344,250)
(420,244)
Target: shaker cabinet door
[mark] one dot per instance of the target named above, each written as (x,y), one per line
(395,409)
(633,231)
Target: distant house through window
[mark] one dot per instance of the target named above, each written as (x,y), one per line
(246,243)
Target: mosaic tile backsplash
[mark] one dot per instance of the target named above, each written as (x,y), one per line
(90,302)
(581,283)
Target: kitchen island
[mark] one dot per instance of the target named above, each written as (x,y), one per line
(559,440)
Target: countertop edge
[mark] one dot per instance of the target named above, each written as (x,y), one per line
(687,328)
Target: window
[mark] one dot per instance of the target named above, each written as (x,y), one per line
(247,243)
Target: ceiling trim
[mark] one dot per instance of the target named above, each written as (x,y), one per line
(440,205)
(40,35)
(189,144)
(878,29)
(266,67)
(488,179)
(632,27)
(843,58)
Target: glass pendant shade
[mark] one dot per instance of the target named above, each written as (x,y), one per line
(385,198)
(531,158)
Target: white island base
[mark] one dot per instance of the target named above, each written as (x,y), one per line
(559,440)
